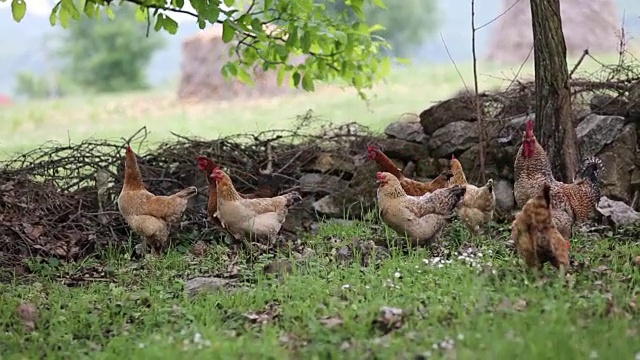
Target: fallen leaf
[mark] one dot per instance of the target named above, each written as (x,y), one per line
(28,314)
(637,260)
(331,321)
(389,319)
(602,269)
(270,312)
(199,248)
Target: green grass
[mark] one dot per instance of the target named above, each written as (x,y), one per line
(484,303)
(410,89)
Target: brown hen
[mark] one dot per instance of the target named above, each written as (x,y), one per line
(458,177)
(477,206)
(420,218)
(535,235)
(150,216)
(258,218)
(411,187)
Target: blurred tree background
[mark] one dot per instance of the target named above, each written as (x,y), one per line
(408,24)
(104,55)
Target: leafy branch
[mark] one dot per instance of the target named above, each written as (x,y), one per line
(270,34)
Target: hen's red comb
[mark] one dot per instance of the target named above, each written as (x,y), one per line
(371,148)
(453,157)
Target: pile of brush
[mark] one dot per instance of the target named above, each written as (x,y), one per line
(60,200)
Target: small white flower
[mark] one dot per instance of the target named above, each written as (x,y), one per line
(397,274)
(346,286)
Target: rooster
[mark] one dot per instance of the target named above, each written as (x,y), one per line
(458,177)
(258,218)
(570,203)
(420,218)
(535,235)
(411,187)
(150,216)
(477,206)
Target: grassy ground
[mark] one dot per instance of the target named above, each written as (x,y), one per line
(476,302)
(410,89)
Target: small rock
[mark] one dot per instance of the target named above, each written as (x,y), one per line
(618,159)
(596,131)
(210,284)
(620,213)
(408,131)
(327,206)
(430,167)
(460,108)
(326,162)
(452,138)
(402,150)
(607,105)
(326,184)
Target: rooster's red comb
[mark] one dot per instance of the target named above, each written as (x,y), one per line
(529,126)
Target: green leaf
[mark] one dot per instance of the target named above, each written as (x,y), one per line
(305,41)
(227,31)
(18,9)
(180,3)
(376,27)
(229,3)
(282,71)
(159,22)
(53,18)
(296,78)
(211,12)
(385,67)
(307,82)
(141,14)
(170,25)
(244,76)
(110,14)
(379,3)
(70,8)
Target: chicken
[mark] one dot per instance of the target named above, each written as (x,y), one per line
(258,218)
(535,235)
(411,187)
(570,203)
(531,168)
(206,165)
(458,177)
(477,206)
(150,216)
(420,218)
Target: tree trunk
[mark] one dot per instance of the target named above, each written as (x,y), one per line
(553,126)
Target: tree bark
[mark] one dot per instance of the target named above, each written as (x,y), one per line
(553,126)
